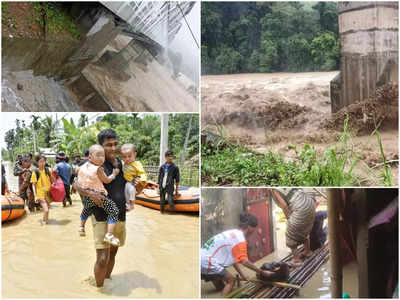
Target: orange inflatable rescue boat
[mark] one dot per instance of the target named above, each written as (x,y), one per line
(12,207)
(188,201)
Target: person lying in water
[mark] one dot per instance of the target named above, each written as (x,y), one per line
(226,249)
(299,209)
(91,177)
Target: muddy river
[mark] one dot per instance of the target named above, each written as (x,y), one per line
(159,259)
(319,284)
(269,112)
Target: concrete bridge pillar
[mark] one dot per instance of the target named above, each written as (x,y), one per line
(102,32)
(368,34)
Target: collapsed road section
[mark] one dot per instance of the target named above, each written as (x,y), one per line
(99,56)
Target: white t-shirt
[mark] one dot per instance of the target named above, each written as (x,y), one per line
(223,250)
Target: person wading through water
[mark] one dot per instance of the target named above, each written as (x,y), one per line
(106,253)
(299,209)
(41,183)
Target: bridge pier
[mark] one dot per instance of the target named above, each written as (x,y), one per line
(368,34)
(121,61)
(99,36)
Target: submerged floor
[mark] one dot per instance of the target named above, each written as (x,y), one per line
(159,259)
(319,284)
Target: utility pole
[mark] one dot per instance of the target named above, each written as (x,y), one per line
(186,140)
(164,137)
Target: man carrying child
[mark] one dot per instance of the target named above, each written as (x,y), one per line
(106,253)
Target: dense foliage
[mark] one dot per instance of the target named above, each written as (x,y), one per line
(64,135)
(251,37)
(225,163)
(236,165)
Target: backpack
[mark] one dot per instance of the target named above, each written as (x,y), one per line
(36,170)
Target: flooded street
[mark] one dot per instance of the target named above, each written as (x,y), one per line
(159,259)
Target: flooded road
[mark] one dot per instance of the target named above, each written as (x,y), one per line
(159,259)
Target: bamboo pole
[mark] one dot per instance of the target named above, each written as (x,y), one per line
(274,283)
(255,288)
(320,193)
(334,244)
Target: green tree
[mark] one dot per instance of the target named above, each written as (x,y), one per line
(49,127)
(75,139)
(11,142)
(228,61)
(83,120)
(266,36)
(325,51)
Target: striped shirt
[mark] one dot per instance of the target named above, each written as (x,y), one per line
(301,218)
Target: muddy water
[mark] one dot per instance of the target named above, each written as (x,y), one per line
(137,92)
(319,284)
(159,259)
(242,103)
(35,93)
(27,77)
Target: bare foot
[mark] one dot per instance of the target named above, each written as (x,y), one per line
(296,263)
(306,255)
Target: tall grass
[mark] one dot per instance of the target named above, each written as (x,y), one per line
(236,165)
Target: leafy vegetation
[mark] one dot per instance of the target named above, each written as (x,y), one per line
(387,171)
(226,163)
(6,17)
(251,37)
(54,19)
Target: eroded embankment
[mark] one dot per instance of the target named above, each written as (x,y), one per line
(270,112)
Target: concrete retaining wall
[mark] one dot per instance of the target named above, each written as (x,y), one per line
(220,210)
(58,59)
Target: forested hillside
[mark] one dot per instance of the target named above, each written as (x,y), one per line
(254,37)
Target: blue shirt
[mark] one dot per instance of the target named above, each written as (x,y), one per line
(64,170)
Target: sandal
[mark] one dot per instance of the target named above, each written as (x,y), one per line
(82,231)
(111,239)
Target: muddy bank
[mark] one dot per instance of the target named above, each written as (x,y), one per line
(379,111)
(270,112)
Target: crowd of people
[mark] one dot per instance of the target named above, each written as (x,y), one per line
(106,184)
